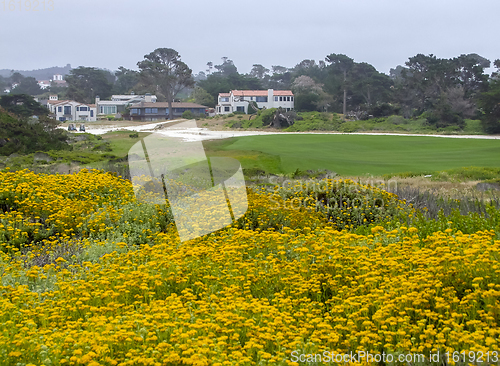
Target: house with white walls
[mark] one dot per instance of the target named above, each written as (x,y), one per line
(44,84)
(239,100)
(118,103)
(69,110)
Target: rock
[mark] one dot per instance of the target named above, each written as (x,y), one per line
(13,155)
(488,186)
(40,156)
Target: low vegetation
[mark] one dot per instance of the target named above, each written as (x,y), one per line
(357,155)
(91,276)
(322,121)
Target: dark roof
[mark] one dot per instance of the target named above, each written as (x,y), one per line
(165,105)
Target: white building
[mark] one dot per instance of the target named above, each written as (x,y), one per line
(238,100)
(44,84)
(119,103)
(69,110)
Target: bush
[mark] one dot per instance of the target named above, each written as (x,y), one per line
(397,120)
(473,126)
(134,135)
(18,136)
(103,147)
(187,115)
(267,115)
(383,110)
(349,126)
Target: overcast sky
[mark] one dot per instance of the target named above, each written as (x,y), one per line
(113,33)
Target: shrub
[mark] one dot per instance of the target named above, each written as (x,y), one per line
(134,135)
(187,115)
(397,120)
(473,126)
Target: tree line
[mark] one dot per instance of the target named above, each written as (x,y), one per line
(444,91)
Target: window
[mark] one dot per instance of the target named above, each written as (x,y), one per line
(291,98)
(148,110)
(240,109)
(59,109)
(67,109)
(226,109)
(83,109)
(108,109)
(275,99)
(133,111)
(224,99)
(261,99)
(91,113)
(281,99)
(154,110)
(287,99)
(62,119)
(166,110)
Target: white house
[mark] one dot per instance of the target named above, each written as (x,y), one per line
(238,100)
(44,84)
(69,110)
(119,103)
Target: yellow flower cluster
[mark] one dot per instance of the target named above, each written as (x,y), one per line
(244,297)
(35,207)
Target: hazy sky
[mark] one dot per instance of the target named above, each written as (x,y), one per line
(113,33)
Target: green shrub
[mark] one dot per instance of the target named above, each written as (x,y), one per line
(187,115)
(103,147)
(397,120)
(349,126)
(134,135)
(267,115)
(473,126)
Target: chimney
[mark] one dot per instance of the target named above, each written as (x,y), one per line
(147,98)
(97,100)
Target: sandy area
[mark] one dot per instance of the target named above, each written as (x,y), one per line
(167,128)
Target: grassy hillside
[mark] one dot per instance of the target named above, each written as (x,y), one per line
(358,155)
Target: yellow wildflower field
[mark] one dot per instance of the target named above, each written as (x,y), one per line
(240,296)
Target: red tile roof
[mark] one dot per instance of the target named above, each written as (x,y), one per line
(249,93)
(257,93)
(283,93)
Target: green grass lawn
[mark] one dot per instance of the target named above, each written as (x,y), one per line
(357,154)
(120,141)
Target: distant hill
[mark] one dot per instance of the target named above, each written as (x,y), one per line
(40,74)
